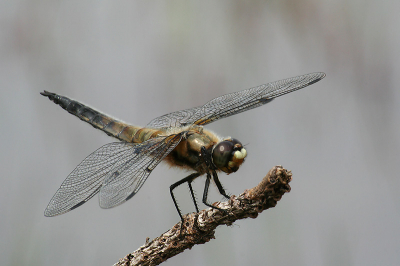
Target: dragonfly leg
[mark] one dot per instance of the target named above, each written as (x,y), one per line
(188,179)
(206,156)
(219,185)
(193,197)
(205,194)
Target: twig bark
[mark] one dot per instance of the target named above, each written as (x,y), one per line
(199,228)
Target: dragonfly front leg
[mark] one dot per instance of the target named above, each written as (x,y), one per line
(207,160)
(219,185)
(206,157)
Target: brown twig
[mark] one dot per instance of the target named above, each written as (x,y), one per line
(199,228)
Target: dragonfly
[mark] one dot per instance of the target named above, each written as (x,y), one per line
(118,170)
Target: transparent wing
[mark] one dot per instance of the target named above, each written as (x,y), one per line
(175,119)
(237,102)
(129,175)
(87,178)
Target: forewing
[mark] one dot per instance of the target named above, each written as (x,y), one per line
(86,179)
(128,176)
(175,119)
(237,102)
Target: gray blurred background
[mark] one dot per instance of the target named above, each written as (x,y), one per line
(136,60)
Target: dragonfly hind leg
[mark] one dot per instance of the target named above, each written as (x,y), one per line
(193,196)
(205,194)
(189,180)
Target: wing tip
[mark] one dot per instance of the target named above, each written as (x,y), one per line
(314,77)
(50,213)
(319,75)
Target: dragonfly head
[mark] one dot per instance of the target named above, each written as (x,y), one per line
(228,155)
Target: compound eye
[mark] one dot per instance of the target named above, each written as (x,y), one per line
(228,155)
(222,153)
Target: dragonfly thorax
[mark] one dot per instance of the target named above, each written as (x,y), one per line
(188,153)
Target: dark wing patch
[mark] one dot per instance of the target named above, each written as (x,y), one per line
(106,163)
(134,170)
(237,102)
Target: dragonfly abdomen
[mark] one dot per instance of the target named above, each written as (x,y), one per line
(105,123)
